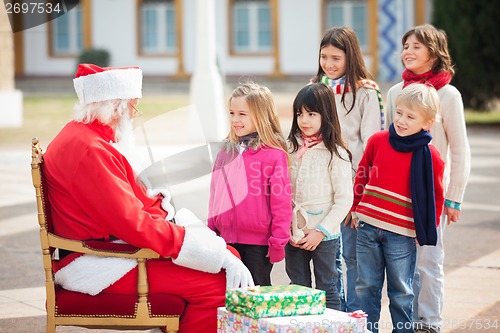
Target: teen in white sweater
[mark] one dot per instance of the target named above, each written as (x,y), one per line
(359,107)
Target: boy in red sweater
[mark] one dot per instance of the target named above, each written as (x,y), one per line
(398,196)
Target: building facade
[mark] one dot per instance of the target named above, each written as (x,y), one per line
(275,38)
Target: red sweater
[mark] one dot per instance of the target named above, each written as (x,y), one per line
(382,194)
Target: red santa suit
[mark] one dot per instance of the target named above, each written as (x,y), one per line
(95,194)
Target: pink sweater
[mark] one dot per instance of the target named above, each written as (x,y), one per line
(250,198)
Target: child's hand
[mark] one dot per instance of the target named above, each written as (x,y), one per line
(355,223)
(311,241)
(351,220)
(452,215)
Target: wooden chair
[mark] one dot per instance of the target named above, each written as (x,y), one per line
(120,312)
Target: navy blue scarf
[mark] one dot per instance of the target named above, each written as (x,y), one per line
(421,182)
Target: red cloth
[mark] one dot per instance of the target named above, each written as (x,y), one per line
(437,80)
(89,69)
(75,303)
(308,142)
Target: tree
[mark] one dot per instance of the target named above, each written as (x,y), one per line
(474,43)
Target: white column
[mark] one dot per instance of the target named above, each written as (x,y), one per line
(11,100)
(207,89)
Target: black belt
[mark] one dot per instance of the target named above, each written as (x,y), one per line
(63,253)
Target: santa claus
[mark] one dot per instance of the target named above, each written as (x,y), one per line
(94,194)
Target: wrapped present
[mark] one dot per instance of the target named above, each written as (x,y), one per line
(331,321)
(275,301)
(361,320)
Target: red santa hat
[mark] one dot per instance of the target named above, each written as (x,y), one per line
(95,84)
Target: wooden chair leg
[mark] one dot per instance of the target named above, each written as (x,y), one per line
(51,326)
(170,329)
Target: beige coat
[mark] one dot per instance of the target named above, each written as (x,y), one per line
(322,191)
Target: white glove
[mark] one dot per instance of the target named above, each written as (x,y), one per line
(237,274)
(165,202)
(185,218)
(202,249)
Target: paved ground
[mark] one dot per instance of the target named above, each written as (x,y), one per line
(472,264)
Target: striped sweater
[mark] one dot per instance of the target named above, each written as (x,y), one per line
(382,194)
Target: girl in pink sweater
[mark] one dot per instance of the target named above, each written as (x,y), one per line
(250,203)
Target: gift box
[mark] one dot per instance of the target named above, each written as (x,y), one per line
(275,301)
(361,320)
(331,321)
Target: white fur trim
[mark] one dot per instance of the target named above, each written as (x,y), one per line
(185,217)
(165,202)
(167,206)
(109,85)
(153,192)
(202,249)
(91,274)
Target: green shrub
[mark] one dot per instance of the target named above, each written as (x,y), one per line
(99,57)
(472,29)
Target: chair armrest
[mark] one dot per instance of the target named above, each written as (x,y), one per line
(82,247)
(116,250)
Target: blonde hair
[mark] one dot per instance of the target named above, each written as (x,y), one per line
(420,97)
(264,115)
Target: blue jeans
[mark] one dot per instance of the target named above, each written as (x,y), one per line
(349,236)
(297,264)
(380,251)
(340,284)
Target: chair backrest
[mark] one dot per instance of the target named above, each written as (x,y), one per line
(43,215)
(143,317)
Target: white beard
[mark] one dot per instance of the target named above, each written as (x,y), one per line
(125,144)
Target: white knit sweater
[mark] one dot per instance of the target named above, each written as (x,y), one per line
(449,136)
(322,191)
(361,122)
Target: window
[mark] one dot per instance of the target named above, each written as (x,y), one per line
(158,27)
(351,14)
(66,33)
(251,26)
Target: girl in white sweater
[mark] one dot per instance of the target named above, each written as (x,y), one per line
(360,112)
(322,189)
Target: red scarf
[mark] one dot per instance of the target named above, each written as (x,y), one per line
(437,80)
(308,142)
